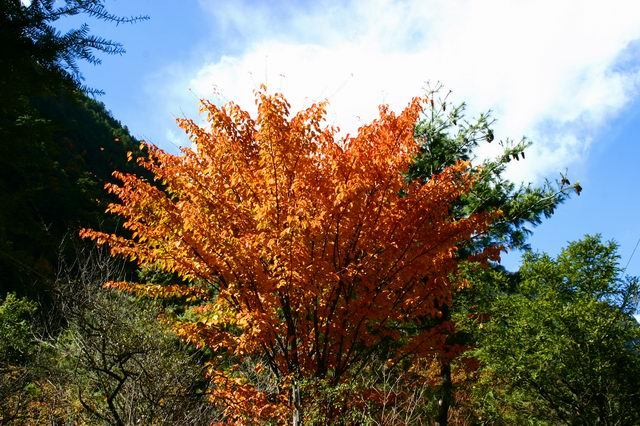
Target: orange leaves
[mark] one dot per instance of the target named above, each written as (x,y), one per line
(319,247)
(190,293)
(243,403)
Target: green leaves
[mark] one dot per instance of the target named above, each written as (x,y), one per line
(33,29)
(564,343)
(447,136)
(16,330)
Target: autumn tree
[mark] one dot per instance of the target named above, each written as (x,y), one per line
(296,248)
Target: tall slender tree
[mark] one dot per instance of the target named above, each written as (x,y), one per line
(447,136)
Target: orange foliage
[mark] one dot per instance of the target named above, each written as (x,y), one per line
(318,247)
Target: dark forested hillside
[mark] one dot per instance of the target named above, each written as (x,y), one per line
(71,352)
(57,145)
(54,160)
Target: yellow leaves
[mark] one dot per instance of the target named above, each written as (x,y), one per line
(216,314)
(156,291)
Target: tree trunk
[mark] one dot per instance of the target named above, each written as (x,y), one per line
(445,393)
(297,406)
(446,389)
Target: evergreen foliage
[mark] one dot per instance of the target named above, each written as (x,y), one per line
(563,346)
(448,136)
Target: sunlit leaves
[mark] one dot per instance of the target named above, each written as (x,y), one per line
(317,246)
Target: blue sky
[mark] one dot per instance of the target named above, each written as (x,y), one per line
(565,74)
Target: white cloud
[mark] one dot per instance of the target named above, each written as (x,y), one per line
(546,68)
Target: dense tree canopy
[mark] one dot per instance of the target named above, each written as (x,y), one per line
(562,345)
(304,249)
